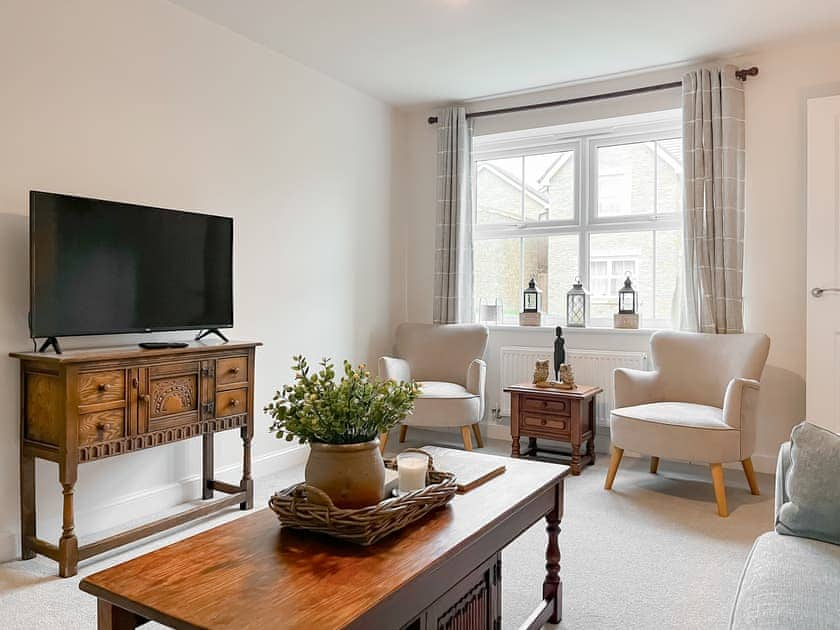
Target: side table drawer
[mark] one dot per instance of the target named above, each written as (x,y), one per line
(542,405)
(558,426)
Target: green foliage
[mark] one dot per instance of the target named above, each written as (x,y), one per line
(357,408)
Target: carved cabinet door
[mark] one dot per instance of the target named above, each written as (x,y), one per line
(170,395)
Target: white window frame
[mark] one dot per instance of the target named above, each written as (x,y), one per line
(584,143)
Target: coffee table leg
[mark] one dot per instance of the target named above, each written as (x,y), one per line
(553,585)
(110,617)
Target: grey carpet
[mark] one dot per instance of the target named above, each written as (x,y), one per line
(651,554)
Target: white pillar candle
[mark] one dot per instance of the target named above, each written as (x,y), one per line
(412,468)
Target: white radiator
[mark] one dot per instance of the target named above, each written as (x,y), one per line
(591,367)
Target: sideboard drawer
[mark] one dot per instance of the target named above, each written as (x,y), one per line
(231,403)
(233,370)
(101,387)
(546,406)
(557,425)
(101,427)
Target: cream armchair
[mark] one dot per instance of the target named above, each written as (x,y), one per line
(699,405)
(447,362)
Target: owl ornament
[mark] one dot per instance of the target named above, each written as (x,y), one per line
(566,374)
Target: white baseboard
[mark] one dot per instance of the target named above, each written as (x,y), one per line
(149,501)
(762,463)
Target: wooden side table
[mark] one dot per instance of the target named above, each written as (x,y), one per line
(554,414)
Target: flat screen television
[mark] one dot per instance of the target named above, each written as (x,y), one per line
(100,267)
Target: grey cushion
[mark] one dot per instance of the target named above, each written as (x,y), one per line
(789,583)
(812,486)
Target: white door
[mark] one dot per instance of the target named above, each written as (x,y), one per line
(823,345)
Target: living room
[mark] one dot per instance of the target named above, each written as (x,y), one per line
(382,164)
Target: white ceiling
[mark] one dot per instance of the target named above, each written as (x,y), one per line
(419,51)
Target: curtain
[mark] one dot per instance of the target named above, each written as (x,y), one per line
(713,160)
(453,239)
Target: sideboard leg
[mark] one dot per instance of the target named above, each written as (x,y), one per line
(553,585)
(68,545)
(27,504)
(247,483)
(207,444)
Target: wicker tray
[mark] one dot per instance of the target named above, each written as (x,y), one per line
(306,507)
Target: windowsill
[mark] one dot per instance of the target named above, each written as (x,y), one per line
(571,331)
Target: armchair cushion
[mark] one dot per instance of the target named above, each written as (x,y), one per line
(444,405)
(678,431)
(812,485)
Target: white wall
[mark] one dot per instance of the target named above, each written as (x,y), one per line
(774,278)
(145,102)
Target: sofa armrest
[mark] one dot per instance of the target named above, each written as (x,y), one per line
(394,369)
(782,467)
(635,387)
(740,403)
(476,381)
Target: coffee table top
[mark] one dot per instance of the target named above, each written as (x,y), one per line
(580,391)
(251,573)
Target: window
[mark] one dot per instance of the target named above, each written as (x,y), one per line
(598,203)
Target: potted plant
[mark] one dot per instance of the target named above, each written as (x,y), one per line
(341,421)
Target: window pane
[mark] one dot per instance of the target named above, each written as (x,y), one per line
(669,171)
(563,267)
(550,186)
(669,247)
(626,179)
(620,252)
(535,266)
(496,274)
(499,191)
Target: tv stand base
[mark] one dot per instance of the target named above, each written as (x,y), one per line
(211,331)
(50,342)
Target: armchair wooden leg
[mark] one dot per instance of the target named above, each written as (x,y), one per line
(465,435)
(615,460)
(654,465)
(403,431)
(750,474)
(383,440)
(720,488)
(477,432)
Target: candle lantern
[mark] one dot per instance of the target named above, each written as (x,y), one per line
(576,305)
(532,298)
(628,302)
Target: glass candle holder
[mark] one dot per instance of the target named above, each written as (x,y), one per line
(412,468)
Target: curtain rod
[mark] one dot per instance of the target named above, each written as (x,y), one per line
(741,74)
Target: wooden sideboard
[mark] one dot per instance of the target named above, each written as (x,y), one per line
(85,405)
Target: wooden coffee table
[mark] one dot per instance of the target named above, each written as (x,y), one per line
(561,415)
(444,571)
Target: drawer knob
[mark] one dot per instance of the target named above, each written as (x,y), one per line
(103,426)
(146,397)
(543,422)
(234,402)
(104,387)
(234,369)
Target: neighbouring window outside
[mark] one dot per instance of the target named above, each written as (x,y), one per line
(598,206)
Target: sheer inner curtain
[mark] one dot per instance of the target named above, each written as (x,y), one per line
(453,239)
(714,161)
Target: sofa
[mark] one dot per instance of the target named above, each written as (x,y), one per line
(788,581)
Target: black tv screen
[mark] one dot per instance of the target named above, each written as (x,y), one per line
(99,267)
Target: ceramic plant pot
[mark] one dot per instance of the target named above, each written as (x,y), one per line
(353,475)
